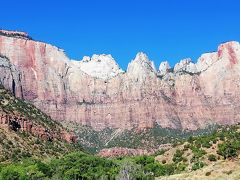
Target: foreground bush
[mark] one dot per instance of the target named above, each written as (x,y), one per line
(80,165)
(212,157)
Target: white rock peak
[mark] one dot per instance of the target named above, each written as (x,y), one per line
(142,62)
(185,65)
(164,68)
(100,66)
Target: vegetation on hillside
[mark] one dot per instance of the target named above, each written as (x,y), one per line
(12,105)
(80,165)
(191,155)
(18,145)
(197,152)
(93,141)
(24,156)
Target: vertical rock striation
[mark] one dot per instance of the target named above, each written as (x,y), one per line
(96,92)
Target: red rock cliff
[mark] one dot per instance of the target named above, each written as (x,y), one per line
(96,92)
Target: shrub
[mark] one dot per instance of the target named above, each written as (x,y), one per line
(197,165)
(190,139)
(221,137)
(160,152)
(197,152)
(212,157)
(181,167)
(227,150)
(178,156)
(206,145)
(186,147)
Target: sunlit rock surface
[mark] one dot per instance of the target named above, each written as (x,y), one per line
(96,92)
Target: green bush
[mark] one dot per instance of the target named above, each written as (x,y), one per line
(197,152)
(186,147)
(178,156)
(197,165)
(227,150)
(190,139)
(160,152)
(181,167)
(212,157)
(10,173)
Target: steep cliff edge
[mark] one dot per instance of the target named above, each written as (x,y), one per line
(97,93)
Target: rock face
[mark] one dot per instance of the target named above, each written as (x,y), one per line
(164,68)
(185,66)
(18,123)
(96,92)
(100,66)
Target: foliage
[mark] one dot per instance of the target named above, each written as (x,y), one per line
(197,152)
(178,156)
(212,157)
(79,165)
(159,152)
(18,145)
(227,150)
(197,165)
(93,140)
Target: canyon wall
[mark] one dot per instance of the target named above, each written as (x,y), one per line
(97,92)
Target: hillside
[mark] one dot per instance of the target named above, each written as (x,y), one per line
(212,156)
(222,170)
(27,132)
(150,138)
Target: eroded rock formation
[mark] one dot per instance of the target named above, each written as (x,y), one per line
(18,123)
(96,92)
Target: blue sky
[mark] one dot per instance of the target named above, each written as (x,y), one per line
(164,29)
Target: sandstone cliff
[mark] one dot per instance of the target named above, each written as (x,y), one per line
(97,93)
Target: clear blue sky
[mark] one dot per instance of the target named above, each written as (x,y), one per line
(164,29)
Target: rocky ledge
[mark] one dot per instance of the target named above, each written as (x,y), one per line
(21,124)
(16,34)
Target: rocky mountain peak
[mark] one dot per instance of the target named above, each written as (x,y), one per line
(164,68)
(141,56)
(185,65)
(229,50)
(206,60)
(100,66)
(141,65)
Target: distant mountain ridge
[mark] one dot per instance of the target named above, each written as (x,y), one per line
(96,92)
